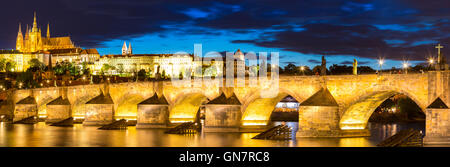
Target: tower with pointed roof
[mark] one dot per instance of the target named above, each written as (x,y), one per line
(129,51)
(48,30)
(124,48)
(19,41)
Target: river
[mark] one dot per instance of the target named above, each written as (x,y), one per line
(41,135)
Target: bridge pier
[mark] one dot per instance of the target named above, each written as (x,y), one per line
(153,113)
(319,117)
(99,110)
(59,109)
(25,108)
(223,114)
(437,127)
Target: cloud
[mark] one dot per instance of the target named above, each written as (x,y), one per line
(363,28)
(358,40)
(314,61)
(89,22)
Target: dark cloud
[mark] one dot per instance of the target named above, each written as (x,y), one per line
(346,63)
(314,61)
(359,40)
(363,28)
(88,22)
(289,62)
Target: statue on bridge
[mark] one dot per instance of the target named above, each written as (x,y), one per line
(355,67)
(441,61)
(323,69)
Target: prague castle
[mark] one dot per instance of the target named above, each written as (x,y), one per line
(52,50)
(32,45)
(34,42)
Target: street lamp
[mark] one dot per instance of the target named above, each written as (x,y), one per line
(381,62)
(302,68)
(405,67)
(431,62)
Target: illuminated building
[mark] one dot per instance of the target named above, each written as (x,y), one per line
(33,45)
(34,42)
(130,63)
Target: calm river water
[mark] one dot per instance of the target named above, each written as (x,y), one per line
(40,135)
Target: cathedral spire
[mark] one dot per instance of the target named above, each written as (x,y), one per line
(124,48)
(20,29)
(34,29)
(19,40)
(129,51)
(48,30)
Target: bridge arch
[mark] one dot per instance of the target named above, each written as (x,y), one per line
(79,103)
(357,115)
(127,105)
(44,97)
(186,106)
(257,110)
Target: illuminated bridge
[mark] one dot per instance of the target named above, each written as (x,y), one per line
(330,106)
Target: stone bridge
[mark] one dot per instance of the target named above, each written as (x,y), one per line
(345,113)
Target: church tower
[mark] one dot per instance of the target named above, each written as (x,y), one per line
(26,44)
(48,30)
(124,49)
(33,36)
(129,51)
(19,42)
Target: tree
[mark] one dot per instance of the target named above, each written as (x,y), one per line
(36,65)
(291,69)
(26,79)
(142,73)
(365,69)
(105,67)
(316,69)
(163,74)
(10,66)
(418,68)
(2,64)
(306,70)
(120,68)
(340,69)
(180,76)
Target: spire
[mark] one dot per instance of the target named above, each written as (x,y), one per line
(34,29)
(129,51)
(48,30)
(27,32)
(19,41)
(124,48)
(20,29)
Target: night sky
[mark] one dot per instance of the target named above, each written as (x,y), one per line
(302,31)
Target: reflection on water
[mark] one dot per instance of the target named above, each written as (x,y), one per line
(18,135)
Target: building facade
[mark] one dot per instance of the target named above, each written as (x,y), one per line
(33,45)
(168,64)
